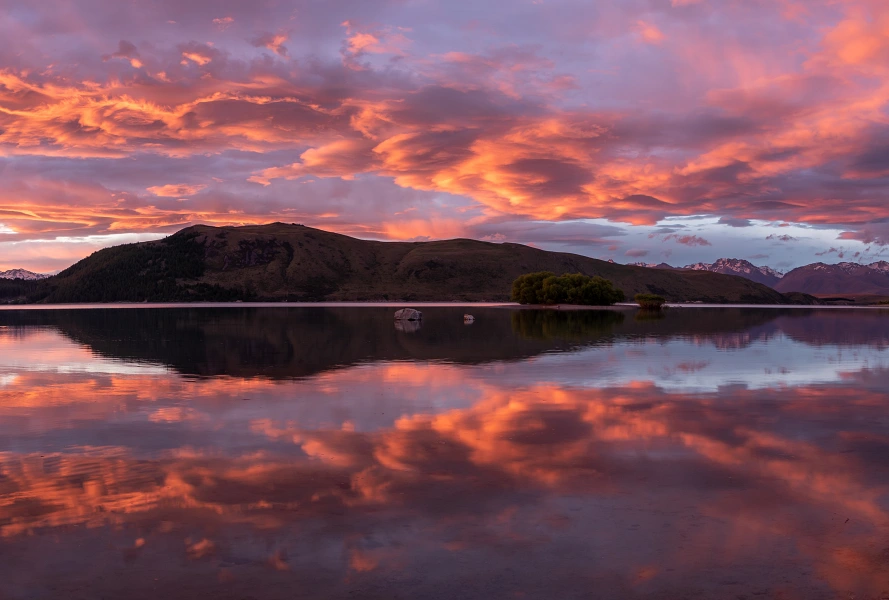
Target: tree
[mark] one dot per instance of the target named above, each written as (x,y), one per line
(528,289)
(649,301)
(547,288)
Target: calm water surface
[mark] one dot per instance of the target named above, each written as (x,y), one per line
(324,453)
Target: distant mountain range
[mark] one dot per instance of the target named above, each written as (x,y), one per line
(21,274)
(287,262)
(735,266)
(841,278)
(728,266)
(817,278)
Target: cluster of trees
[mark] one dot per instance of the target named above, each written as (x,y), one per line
(548,288)
(649,301)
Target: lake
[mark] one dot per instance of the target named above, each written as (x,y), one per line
(241,452)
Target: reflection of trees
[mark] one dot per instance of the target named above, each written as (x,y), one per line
(573,325)
(647,314)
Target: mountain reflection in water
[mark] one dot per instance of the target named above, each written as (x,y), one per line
(321,453)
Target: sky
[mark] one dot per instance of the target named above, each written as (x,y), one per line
(632,130)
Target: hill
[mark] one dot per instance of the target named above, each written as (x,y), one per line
(280,262)
(841,278)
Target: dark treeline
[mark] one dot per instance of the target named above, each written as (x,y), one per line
(12,290)
(129,273)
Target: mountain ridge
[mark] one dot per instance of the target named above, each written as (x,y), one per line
(727,266)
(839,278)
(742,268)
(816,278)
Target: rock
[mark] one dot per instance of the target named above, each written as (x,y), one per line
(408,314)
(468,319)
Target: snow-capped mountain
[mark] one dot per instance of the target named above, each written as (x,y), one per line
(21,274)
(652,265)
(742,268)
(729,266)
(881,265)
(816,278)
(841,278)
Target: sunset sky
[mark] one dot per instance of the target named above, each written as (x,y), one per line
(635,130)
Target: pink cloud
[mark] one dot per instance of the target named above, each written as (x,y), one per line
(223,23)
(649,32)
(687,240)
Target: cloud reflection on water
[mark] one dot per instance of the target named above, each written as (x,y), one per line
(424,478)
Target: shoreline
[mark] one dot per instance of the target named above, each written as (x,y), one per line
(621,307)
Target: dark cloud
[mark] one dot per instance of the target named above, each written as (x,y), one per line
(734,222)
(125,49)
(877,233)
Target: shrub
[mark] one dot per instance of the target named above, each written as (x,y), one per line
(528,289)
(547,288)
(650,301)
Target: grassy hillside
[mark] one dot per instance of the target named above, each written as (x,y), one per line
(280,262)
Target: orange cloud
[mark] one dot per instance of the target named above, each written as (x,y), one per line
(197,57)
(361,40)
(861,40)
(172,190)
(649,32)
(272,41)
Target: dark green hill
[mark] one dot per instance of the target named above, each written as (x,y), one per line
(280,262)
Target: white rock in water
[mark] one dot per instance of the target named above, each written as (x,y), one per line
(408,314)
